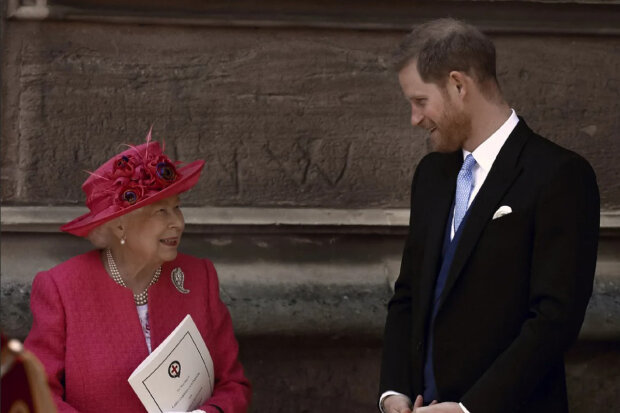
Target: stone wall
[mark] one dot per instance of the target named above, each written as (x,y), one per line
(283,117)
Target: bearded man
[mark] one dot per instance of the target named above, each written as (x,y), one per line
(498,266)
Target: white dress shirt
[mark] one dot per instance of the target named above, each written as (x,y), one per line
(484,155)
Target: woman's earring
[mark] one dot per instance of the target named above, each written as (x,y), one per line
(123,240)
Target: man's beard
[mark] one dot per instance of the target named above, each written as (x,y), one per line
(452,131)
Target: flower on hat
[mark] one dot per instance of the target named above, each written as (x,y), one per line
(128,193)
(135,177)
(162,170)
(123,166)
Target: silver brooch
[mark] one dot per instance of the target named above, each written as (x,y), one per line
(178,278)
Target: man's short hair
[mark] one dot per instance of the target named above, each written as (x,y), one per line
(443,45)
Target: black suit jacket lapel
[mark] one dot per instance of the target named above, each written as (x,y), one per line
(440,201)
(501,176)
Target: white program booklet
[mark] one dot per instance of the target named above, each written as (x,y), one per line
(178,374)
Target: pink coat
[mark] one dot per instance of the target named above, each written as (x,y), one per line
(87,333)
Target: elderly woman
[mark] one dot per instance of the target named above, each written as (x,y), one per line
(97,316)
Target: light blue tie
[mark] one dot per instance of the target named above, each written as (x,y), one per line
(464,186)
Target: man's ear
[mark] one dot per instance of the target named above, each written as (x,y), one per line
(459,83)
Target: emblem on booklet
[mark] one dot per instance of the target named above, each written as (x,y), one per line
(174,369)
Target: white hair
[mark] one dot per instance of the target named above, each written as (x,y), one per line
(102,235)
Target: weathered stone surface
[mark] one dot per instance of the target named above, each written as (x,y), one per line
(327,373)
(282,116)
(15,309)
(277,125)
(310,374)
(307,284)
(283,285)
(521,16)
(603,316)
(593,377)
(565,89)
(309,309)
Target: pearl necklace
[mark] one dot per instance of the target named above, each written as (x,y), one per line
(139,299)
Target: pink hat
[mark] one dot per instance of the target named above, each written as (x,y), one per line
(132,179)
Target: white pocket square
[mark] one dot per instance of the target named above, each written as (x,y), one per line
(501,211)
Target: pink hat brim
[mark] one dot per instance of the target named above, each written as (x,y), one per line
(83,224)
